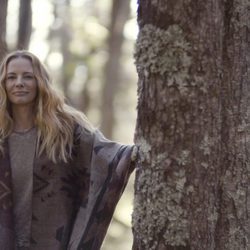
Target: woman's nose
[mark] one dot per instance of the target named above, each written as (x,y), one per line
(19,81)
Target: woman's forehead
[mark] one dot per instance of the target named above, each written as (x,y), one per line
(19,64)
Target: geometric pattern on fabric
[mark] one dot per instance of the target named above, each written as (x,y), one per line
(4,190)
(5,194)
(87,245)
(98,148)
(40,183)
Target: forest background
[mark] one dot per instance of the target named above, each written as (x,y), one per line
(88,48)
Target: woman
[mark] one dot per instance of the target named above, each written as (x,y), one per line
(60,179)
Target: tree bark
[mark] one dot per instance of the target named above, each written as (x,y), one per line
(192,180)
(25,24)
(120,14)
(3,16)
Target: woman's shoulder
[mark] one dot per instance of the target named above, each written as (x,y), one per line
(83,133)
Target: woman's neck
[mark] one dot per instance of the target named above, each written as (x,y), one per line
(23,118)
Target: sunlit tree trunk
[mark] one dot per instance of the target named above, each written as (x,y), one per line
(120,14)
(60,37)
(3,16)
(25,24)
(192,180)
(65,36)
(85,96)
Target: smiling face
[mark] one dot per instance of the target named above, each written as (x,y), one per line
(20,84)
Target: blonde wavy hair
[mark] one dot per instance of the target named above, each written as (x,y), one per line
(54,119)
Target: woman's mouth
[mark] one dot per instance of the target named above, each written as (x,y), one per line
(20,93)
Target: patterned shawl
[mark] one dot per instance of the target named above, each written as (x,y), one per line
(73,203)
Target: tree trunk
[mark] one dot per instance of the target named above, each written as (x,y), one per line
(120,14)
(192,181)
(25,24)
(3,16)
(65,37)
(60,36)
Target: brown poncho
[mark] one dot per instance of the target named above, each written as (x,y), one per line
(73,203)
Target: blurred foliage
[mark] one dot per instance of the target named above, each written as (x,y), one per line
(70,36)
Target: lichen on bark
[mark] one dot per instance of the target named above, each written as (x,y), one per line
(163,52)
(164,217)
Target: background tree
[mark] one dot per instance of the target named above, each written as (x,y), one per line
(24,24)
(192,182)
(3,15)
(60,38)
(119,16)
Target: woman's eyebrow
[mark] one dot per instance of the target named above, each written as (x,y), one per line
(13,73)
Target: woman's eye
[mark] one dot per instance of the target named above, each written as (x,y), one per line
(28,77)
(10,77)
